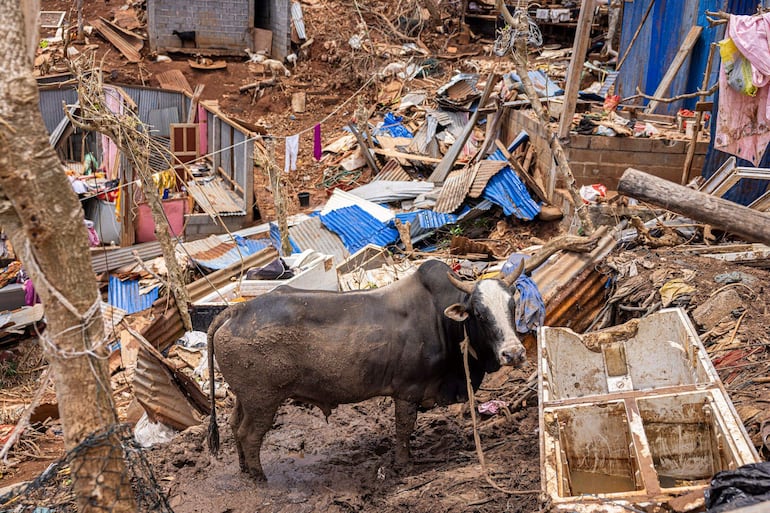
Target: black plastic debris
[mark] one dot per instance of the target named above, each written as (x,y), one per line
(744,486)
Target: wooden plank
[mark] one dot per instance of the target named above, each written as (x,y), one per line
(525,177)
(676,64)
(579,50)
(407,156)
(128,50)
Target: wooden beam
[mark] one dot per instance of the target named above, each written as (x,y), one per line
(679,58)
(364,149)
(751,225)
(407,156)
(582,38)
(523,174)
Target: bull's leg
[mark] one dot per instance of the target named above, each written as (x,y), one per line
(406,415)
(235,423)
(257,419)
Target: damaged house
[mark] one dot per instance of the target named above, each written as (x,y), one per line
(224,28)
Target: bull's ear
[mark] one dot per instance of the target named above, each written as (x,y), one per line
(456,312)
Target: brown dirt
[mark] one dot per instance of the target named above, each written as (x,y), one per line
(346,464)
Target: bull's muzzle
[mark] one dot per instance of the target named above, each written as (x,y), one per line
(513,357)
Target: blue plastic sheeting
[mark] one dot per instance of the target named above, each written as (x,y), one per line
(391,125)
(530,307)
(125,295)
(275,237)
(544,86)
(426,219)
(357,228)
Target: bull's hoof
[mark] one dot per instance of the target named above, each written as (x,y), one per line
(403,458)
(257,476)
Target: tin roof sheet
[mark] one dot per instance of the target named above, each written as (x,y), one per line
(455,190)
(392,171)
(299,23)
(385,191)
(125,295)
(341,199)
(357,228)
(216,198)
(311,234)
(485,170)
(215,253)
(508,191)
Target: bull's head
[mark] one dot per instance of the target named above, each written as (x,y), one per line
(489,311)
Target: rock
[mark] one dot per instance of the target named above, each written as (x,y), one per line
(550,213)
(717,307)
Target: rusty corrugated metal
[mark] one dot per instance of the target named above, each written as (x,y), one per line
(560,272)
(215,252)
(216,198)
(455,190)
(392,171)
(485,170)
(163,392)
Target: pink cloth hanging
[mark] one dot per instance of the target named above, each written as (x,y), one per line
(317,153)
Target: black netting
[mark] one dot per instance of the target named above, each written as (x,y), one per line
(54,490)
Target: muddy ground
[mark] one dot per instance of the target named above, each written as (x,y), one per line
(346,464)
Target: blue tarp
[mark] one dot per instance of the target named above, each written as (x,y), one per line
(544,86)
(357,228)
(391,125)
(530,308)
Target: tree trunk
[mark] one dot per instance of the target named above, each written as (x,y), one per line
(45,224)
(725,215)
(279,198)
(519,58)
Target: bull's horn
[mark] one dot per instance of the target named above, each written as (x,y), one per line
(465,286)
(511,278)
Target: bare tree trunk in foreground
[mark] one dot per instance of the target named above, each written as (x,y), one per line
(45,223)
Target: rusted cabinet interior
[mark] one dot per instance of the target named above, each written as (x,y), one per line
(635,421)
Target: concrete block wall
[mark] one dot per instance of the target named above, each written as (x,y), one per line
(280,24)
(221,24)
(600,159)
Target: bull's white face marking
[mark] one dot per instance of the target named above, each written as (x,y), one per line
(495,297)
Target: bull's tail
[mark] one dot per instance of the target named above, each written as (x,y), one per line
(213,435)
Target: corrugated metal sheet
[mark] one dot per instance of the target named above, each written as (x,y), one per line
(296,18)
(56,134)
(125,295)
(103,259)
(214,253)
(387,191)
(147,100)
(392,171)
(485,170)
(341,199)
(424,222)
(357,228)
(508,191)
(454,121)
(160,153)
(51,105)
(455,190)
(311,234)
(160,119)
(202,287)
(215,197)
(112,316)
(275,237)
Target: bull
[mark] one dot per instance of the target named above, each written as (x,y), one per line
(331,348)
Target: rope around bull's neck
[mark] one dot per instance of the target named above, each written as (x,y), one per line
(465,346)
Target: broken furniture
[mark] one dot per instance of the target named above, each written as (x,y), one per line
(640,418)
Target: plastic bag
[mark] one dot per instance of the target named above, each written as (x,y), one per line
(737,68)
(744,486)
(592,193)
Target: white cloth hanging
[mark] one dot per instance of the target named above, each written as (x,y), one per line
(292,149)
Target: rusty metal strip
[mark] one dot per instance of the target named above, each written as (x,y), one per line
(485,170)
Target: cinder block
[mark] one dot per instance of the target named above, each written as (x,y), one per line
(668,146)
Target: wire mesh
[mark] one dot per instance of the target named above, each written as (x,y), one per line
(53,490)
